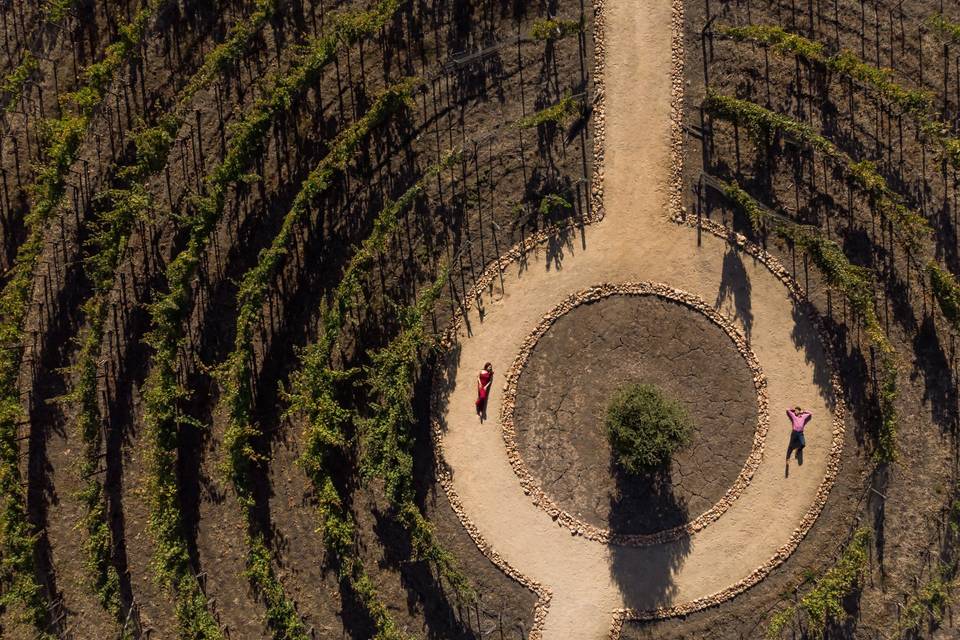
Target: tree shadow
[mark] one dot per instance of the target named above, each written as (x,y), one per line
(939,385)
(645,575)
(441,607)
(806,337)
(735,286)
(645,502)
(854,369)
(878,482)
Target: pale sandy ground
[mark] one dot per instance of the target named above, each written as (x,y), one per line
(636,242)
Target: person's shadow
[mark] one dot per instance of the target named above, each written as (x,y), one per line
(793,446)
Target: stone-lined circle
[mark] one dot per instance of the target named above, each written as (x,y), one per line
(579,364)
(542,500)
(517,252)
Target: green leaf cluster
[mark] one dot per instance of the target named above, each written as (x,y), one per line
(948,30)
(547,29)
(282,615)
(824,602)
(99,75)
(553,202)
(225,55)
(778,39)
(14,83)
(645,427)
(559,114)
(928,604)
(757,215)
(762,123)
(845,63)
(57,10)
(946,291)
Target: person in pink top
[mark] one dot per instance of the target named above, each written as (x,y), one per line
(798,420)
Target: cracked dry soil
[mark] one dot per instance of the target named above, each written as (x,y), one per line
(575,368)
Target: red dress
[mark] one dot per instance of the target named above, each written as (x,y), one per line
(485,377)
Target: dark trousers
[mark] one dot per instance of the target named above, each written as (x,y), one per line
(797,441)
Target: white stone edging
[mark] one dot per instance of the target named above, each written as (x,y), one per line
(444,477)
(563,517)
(449,337)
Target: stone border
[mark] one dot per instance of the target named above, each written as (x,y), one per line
(448,340)
(679,216)
(564,518)
(449,337)
(836,448)
(599,113)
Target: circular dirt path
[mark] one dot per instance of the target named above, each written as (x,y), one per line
(587,586)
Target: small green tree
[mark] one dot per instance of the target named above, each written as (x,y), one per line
(645,427)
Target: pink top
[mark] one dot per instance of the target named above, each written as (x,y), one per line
(799,421)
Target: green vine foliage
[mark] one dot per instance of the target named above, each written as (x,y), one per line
(314,393)
(387,433)
(929,604)
(553,202)
(108,241)
(559,114)
(918,103)
(946,291)
(910,227)
(762,122)
(824,602)
(57,10)
(757,215)
(99,75)
(256,283)
(946,29)
(14,83)
(61,141)
(545,29)
(779,39)
(845,63)
(225,55)
(168,313)
(117,211)
(855,285)
(237,399)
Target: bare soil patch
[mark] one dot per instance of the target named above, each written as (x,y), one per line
(574,371)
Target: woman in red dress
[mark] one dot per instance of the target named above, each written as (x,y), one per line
(484,380)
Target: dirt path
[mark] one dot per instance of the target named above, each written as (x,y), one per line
(592,584)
